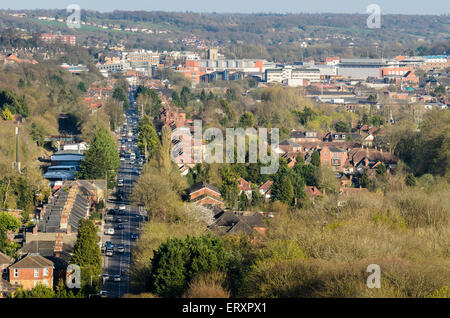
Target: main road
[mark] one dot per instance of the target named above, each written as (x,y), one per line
(118,264)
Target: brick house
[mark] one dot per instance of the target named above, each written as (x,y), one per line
(30,271)
(299,136)
(245,186)
(333,156)
(203,193)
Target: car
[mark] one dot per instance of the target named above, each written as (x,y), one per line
(121,212)
(122,159)
(132,162)
(134,236)
(120,249)
(109,252)
(109,231)
(103,293)
(117,278)
(105,276)
(120,227)
(122,207)
(109,245)
(118,219)
(112,212)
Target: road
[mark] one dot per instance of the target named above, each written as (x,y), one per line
(131,219)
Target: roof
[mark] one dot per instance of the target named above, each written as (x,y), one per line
(312,191)
(288,142)
(266,186)
(335,149)
(5,259)
(244,185)
(32,261)
(233,223)
(200,185)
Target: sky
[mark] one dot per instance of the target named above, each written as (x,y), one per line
(243,6)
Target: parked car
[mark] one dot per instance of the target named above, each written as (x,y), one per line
(117,278)
(134,236)
(105,276)
(120,227)
(120,249)
(109,252)
(109,231)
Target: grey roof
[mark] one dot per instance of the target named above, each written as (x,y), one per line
(232,223)
(32,261)
(288,142)
(44,248)
(335,149)
(50,221)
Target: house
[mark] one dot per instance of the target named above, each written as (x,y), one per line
(30,271)
(289,146)
(265,189)
(364,158)
(203,193)
(5,262)
(341,136)
(238,223)
(312,191)
(245,186)
(299,136)
(333,156)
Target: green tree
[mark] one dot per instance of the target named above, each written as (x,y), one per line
(86,252)
(82,87)
(101,159)
(243,202)
(7,115)
(9,222)
(247,120)
(40,291)
(315,159)
(229,188)
(365,180)
(148,140)
(342,127)
(177,262)
(381,170)
(120,94)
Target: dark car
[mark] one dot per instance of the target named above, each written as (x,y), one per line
(112,212)
(120,227)
(118,219)
(134,236)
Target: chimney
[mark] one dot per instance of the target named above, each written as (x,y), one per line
(69,229)
(35,229)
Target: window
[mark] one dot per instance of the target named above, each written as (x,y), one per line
(45,272)
(36,273)
(16,272)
